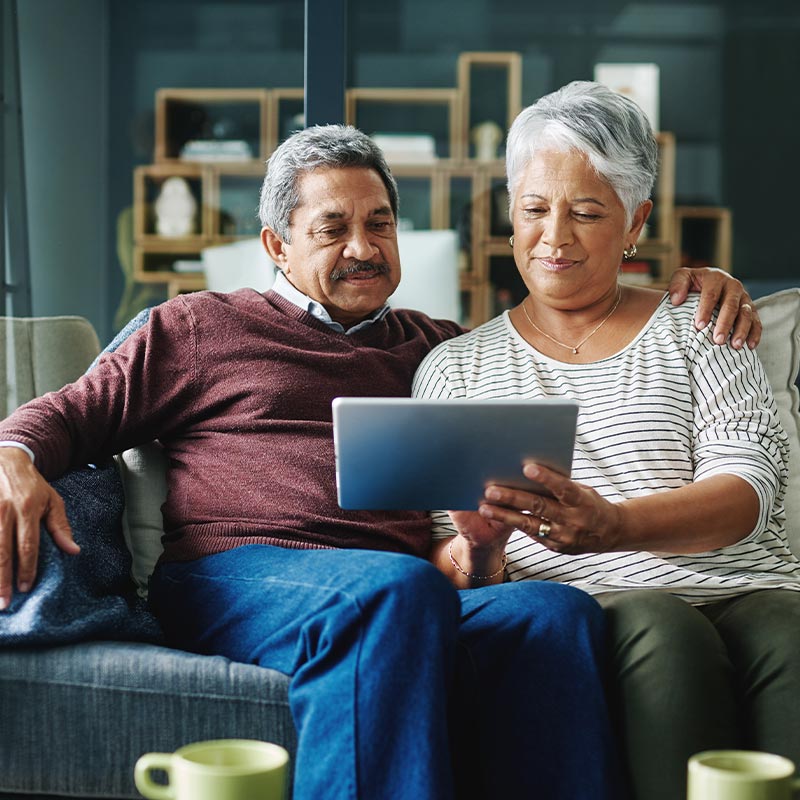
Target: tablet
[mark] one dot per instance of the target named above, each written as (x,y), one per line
(402,453)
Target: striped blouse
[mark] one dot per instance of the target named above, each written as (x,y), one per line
(668,409)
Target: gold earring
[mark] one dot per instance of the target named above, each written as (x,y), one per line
(630,252)
(511,240)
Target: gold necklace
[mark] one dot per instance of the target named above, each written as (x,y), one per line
(573,348)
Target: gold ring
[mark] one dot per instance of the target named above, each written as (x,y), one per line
(544,530)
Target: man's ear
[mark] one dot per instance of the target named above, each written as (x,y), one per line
(276,248)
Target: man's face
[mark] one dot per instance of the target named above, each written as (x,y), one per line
(343,252)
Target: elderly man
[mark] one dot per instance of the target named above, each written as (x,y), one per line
(398,670)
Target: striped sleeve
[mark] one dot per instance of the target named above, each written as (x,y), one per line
(736,425)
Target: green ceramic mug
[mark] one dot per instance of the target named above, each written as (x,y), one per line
(225,769)
(741,775)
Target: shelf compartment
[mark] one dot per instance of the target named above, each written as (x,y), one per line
(366,108)
(148,182)
(458,190)
(507,287)
(233,201)
(155,263)
(221,117)
(183,284)
(287,105)
(497,79)
(703,236)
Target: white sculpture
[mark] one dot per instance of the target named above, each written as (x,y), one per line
(487,137)
(176,208)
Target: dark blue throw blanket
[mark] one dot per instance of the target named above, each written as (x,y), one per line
(90,595)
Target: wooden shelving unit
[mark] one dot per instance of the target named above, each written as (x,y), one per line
(452,188)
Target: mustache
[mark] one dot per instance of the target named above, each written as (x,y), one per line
(354,267)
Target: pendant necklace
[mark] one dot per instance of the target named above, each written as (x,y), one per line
(573,348)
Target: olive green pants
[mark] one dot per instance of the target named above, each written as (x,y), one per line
(690,678)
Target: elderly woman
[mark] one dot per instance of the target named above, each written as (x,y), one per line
(674,514)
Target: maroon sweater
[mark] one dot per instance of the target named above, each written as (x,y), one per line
(238,388)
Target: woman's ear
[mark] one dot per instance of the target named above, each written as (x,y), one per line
(276,249)
(639,218)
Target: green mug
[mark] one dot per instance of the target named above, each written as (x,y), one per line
(224,769)
(740,775)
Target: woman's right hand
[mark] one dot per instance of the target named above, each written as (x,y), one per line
(574,519)
(26,501)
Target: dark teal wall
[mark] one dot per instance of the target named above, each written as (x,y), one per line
(64,90)
(761,144)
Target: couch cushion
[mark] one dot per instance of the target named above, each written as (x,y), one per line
(143,471)
(83,714)
(780,353)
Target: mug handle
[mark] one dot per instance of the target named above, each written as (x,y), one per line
(145,784)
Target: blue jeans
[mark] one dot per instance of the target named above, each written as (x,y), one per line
(386,658)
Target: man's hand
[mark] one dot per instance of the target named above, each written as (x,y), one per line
(26,501)
(716,287)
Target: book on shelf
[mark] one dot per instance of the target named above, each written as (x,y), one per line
(187,265)
(406,148)
(215,150)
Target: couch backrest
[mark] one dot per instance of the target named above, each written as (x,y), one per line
(779,352)
(42,354)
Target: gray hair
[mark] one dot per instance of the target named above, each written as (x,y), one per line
(317,147)
(608,128)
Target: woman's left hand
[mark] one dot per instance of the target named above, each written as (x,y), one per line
(576,519)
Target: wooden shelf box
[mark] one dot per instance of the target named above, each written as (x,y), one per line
(490,85)
(223,118)
(148,182)
(360,110)
(703,236)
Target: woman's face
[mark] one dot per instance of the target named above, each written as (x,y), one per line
(570,230)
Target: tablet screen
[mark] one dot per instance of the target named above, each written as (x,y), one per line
(404,453)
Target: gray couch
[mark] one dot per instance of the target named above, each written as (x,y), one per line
(74,718)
